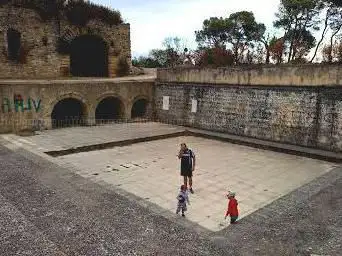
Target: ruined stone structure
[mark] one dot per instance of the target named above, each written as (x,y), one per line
(300,105)
(30,47)
(42,104)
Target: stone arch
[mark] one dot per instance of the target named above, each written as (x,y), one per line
(109,108)
(140,107)
(69,110)
(69,34)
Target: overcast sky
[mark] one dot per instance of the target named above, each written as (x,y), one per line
(153,20)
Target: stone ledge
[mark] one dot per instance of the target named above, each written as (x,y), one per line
(269,145)
(304,75)
(147,78)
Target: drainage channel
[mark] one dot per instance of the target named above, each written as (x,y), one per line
(114,144)
(245,141)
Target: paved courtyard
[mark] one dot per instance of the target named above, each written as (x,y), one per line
(67,138)
(150,170)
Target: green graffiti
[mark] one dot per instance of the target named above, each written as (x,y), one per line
(36,105)
(20,105)
(6,106)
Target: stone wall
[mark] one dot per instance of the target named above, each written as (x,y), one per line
(276,104)
(43,60)
(287,75)
(40,96)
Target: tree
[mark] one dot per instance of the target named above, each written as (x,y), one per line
(302,43)
(170,55)
(333,53)
(276,48)
(335,26)
(213,57)
(146,62)
(213,34)
(332,20)
(176,50)
(243,32)
(239,31)
(337,51)
(296,17)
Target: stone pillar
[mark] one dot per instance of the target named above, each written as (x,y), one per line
(65,66)
(90,119)
(112,66)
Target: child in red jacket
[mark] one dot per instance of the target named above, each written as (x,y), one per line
(232,208)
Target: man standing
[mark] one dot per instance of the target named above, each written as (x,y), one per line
(188,161)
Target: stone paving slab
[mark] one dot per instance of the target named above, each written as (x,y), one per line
(61,139)
(150,171)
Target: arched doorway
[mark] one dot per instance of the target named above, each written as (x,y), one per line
(89,56)
(68,112)
(109,109)
(139,108)
(13,44)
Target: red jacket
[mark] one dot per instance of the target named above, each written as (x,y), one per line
(232,208)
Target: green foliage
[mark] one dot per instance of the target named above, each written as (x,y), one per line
(276,48)
(173,53)
(240,30)
(146,62)
(81,12)
(297,18)
(214,57)
(78,12)
(214,32)
(337,3)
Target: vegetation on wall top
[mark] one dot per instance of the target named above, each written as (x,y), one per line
(77,12)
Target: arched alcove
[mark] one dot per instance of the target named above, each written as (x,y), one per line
(139,108)
(68,112)
(89,56)
(109,109)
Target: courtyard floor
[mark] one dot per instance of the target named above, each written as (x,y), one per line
(150,170)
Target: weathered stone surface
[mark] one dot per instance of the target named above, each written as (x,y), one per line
(43,60)
(262,75)
(40,97)
(300,115)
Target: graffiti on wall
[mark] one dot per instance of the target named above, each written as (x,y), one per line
(19,104)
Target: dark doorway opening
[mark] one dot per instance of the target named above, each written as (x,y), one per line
(67,113)
(89,57)
(139,109)
(13,44)
(109,109)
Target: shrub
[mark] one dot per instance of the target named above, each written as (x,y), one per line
(78,12)
(47,9)
(214,57)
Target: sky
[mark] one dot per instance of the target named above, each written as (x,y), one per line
(151,21)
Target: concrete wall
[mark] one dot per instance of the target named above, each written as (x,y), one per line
(283,104)
(43,61)
(40,97)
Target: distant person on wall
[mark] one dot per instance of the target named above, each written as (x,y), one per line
(232,210)
(188,161)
